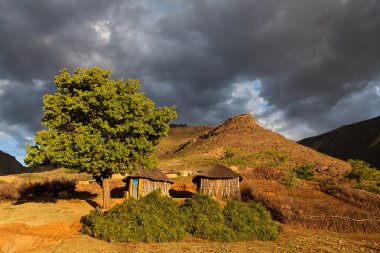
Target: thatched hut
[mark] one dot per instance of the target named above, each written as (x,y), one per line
(219,181)
(146,181)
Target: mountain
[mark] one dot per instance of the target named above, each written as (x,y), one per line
(360,140)
(263,148)
(9,164)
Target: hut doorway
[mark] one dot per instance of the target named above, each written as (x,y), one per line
(135,187)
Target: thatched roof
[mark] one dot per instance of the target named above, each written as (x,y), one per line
(217,171)
(154,174)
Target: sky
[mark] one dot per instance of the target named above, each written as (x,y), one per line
(300,67)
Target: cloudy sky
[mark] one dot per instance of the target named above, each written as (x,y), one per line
(301,67)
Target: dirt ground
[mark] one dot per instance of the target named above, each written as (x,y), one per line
(54,227)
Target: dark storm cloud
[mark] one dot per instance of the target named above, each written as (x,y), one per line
(311,57)
(18,109)
(308,54)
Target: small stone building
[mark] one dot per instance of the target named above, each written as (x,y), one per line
(219,182)
(146,181)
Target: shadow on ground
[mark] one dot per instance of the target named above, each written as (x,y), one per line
(180,193)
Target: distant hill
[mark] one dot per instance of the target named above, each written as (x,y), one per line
(268,149)
(9,164)
(360,140)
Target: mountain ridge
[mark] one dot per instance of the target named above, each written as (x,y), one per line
(359,140)
(9,164)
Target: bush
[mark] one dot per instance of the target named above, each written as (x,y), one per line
(9,191)
(289,180)
(272,157)
(153,218)
(360,171)
(238,221)
(250,221)
(58,187)
(204,219)
(156,218)
(305,171)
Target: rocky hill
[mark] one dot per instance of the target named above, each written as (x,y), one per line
(360,140)
(264,148)
(9,164)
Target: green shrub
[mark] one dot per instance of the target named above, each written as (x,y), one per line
(372,186)
(305,171)
(360,171)
(204,219)
(235,156)
(289,180)
(250,221)
(153,218)
(239,221)
(271,157)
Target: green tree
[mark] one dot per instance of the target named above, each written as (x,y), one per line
(361,170)
(100,126)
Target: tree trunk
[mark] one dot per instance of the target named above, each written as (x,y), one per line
(106,193)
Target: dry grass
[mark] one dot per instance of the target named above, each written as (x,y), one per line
(42,213)
(307,206)
(367,200)
(38,176)
(179,135)
(58,187)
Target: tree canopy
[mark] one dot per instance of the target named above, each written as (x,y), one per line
(361,170)
(97,125)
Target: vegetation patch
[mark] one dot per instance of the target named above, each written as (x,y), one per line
(157,218)
(204,219)
(366,177)
(57,187)
(235,156)
(238,221)
(271,157)
(289,180)
(250,221)
(153,218)
(239,157)
(305,171)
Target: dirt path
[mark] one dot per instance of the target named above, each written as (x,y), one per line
(18,237)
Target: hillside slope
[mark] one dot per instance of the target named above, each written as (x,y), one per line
(360,140)
(179,134)
(9,164)
(244,133)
